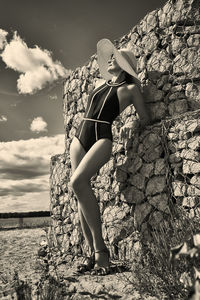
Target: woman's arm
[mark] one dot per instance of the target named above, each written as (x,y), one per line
(133,95)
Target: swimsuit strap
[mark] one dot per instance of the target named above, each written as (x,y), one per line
(94,120)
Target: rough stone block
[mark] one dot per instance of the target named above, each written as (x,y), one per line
(190,201)
(175,157)
(150,42)
(155,185)
(119,230)
(159,62)
(177,44)
(192,92)
(152,153)
(191,167)
(140,213)
(178,107)
(132,195)
(152,94)
(194,143)
(135,165)
(115,214)
(187,62)
(160,167)
(157,110)
(147,169)
(138,181)
(190,154)
(194,40)
(195,180)
(179,188)
(160,202)
(148,23)
(156,219)
(193,191)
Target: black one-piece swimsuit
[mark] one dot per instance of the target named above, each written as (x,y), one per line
(102,109)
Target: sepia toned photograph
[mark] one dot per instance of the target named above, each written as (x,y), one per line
(100,150)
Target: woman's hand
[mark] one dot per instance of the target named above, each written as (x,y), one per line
(127,130)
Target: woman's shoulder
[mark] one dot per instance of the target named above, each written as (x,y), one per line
(126,89)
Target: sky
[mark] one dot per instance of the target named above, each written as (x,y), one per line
(40,42)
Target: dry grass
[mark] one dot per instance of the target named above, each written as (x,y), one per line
(153,276)
(155,272)
(19,253)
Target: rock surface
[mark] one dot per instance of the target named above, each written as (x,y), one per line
(151,166)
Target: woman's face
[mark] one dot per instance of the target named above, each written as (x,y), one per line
(113,66)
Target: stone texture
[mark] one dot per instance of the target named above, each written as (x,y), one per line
(156,219)
(179,188)
(155,185)
(160,202)
(147,169)
(194,143)
(178,107)
(146,164)
(190,201)
(195,180)
(187,62)
(190,167)
(140,213)
(159,62)
(190,154)
(152,94)
(132,195)
(138,180)
(160,167)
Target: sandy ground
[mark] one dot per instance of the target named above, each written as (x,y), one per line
(18,252)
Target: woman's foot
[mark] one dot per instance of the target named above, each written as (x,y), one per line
(87,264)
(102,262)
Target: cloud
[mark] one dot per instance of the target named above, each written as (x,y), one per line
(27,202)
(28,158)
(3,40)
(35,65)
(19,188)
(3,118)
(38,125)
(25,171)
(53,97)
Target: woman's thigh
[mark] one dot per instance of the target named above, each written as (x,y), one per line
(77,152)
(94,159)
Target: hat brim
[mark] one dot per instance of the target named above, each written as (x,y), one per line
(105,49)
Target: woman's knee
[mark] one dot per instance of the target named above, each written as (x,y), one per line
(78,183)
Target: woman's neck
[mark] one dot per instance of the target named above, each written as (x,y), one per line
(118,78)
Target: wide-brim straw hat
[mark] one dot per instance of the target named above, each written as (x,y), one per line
(124,57)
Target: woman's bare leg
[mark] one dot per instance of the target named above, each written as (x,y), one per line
(92,161)
(76,154)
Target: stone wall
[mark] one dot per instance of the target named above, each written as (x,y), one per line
(149,171)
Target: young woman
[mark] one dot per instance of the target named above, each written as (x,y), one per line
(92,145)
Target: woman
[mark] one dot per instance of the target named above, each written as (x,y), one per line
(92,145)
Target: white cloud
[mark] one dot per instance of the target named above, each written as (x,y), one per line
(24,173)
(33,155)
(35,64)
(53,97)
(27,202)
(38,125)
(3,40)
(3,118)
